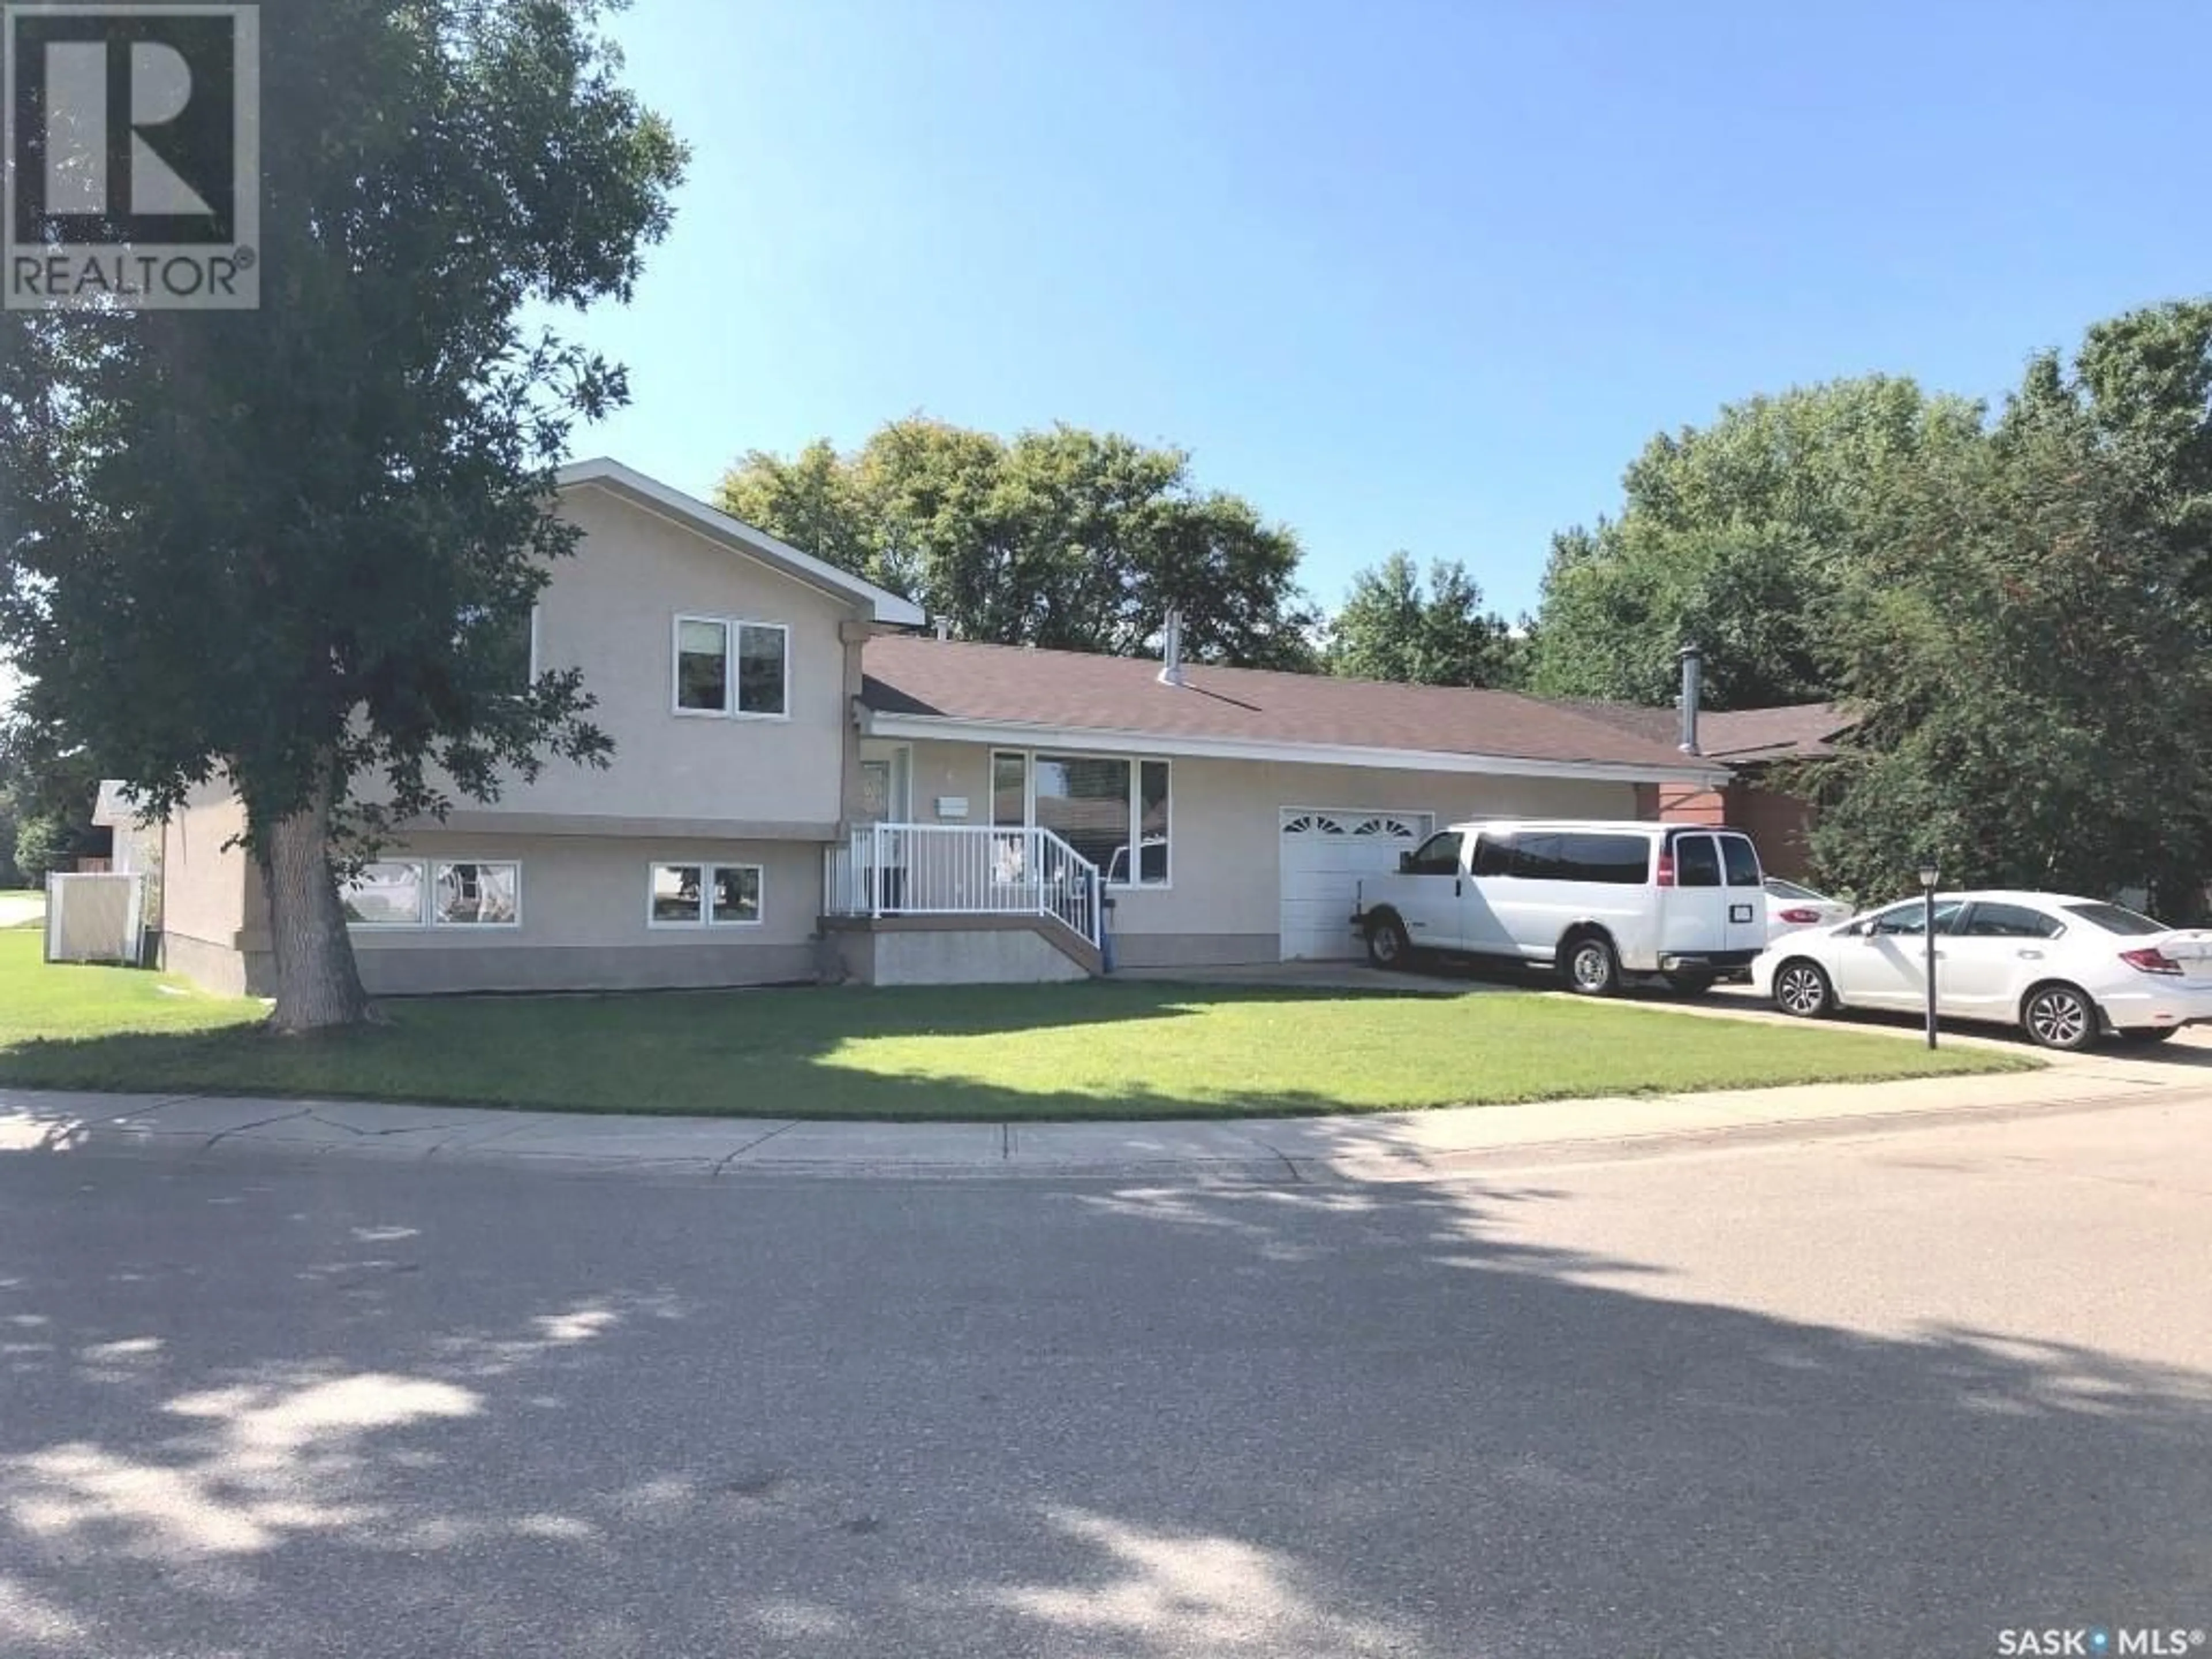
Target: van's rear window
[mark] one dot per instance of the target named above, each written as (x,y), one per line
(1742,861)
(2115,920)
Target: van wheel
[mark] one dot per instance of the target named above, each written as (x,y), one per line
(2060,1017)
(1387,946)
(1591,967)
(1692,984)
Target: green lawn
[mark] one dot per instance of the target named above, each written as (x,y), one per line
(1108,1049)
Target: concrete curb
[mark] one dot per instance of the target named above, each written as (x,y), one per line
(1381,1147)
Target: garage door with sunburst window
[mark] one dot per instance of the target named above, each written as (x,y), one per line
(1324,855)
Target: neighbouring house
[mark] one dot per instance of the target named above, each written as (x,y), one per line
(805,786)
(1765,794)
(135,849)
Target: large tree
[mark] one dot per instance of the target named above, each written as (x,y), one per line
(1064,538)
(293,547)
(48,789)
(2031,681)
(1393,628)
(1737,536)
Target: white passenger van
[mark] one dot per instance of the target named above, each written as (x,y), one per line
(1595,900)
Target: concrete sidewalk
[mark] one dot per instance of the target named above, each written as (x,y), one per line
(1383,1146)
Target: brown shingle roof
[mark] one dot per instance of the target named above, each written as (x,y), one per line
(1796,731)
(909,674)
(1652,725)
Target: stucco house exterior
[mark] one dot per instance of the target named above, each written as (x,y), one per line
(807,785)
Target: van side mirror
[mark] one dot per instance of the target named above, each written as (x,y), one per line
(1405,864)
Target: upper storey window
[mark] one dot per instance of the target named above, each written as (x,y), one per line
(725,665)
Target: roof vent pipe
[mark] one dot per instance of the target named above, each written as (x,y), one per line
(1171,651)
(1693,686)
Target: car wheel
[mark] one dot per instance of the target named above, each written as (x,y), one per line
(1692,985)
(1802,988)
(1592,969)
(2060,1017)
(1387,946)
(2149,1034)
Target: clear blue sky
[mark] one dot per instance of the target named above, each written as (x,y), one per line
(1405,275)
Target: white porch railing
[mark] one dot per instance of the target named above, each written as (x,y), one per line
(961,870)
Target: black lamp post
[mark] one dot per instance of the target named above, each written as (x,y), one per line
(1930,875)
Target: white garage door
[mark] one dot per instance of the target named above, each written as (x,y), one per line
(1325,852)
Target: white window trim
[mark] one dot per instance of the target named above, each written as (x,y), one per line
(706,868)
(730,646)
(430,898)
(1136,762)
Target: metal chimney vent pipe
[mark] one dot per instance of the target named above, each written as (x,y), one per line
(1171,651)
(1693,687)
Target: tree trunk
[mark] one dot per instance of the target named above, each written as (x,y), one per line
(318,983)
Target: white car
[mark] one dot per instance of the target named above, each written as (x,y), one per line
(2066,971)
(1789,907)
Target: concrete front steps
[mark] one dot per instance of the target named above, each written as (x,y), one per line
(1014,950)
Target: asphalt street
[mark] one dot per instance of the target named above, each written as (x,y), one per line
(1901,1391)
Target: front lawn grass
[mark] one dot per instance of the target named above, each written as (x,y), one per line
(59,1005)
(1106,1049)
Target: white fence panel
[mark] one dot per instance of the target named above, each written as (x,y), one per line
(95,918)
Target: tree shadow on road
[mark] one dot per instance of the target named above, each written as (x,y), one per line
(265,1410)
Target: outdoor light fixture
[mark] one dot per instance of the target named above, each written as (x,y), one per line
(1930,875)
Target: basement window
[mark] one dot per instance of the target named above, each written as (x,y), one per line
(704,896)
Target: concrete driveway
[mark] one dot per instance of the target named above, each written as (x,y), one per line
(2191,1048)
(17,909)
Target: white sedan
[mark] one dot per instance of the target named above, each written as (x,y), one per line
(1789,907)
(2066,971)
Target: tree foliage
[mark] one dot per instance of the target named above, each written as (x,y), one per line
(2017,610)
(292,546)
(1738,536)
(1065,537)
(41,845)
(2026,644)
(1393,628)
(48,789)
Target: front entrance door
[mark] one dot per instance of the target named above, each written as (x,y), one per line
(883,800)
(883,784)
(875,792)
